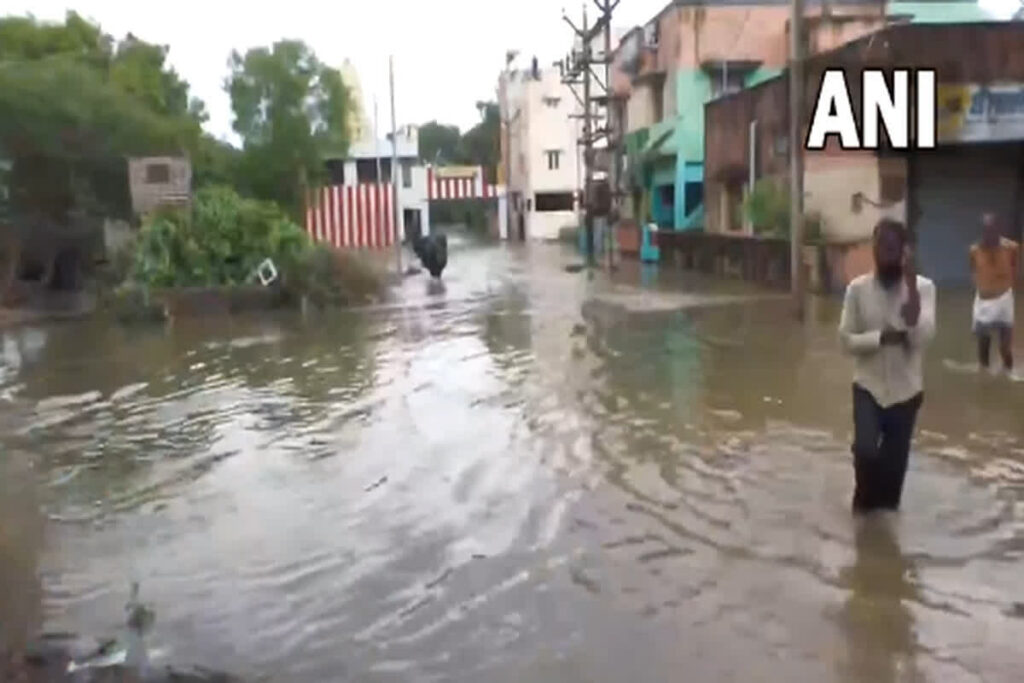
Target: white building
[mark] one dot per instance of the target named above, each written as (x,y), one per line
(359,169)
(540,154)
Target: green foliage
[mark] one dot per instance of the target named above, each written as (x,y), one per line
(214,162)
(767,208)
(289,109)
(65,109)
(139,69)
(221,241)
(73,97)
(25,38)
(481,145)
(438,143)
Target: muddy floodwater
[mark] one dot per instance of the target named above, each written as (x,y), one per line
(513,477)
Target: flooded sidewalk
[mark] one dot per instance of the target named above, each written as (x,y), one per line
(521,474)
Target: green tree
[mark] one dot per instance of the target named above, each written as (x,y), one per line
(214,162)
(68,94)
(290,110)
(25,38)
(140,69)
(480,144)
(72,107)
(439,143)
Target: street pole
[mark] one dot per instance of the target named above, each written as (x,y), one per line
(376,142)
(588,147)
(394,165)
(580,70)
(612,141)
(796,166)
(507,120)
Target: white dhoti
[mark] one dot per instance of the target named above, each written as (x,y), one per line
(992,314)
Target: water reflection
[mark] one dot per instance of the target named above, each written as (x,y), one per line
(21,544)
(876,619)
(443,489)
(436,287)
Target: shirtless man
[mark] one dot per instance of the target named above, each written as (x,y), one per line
(994,263)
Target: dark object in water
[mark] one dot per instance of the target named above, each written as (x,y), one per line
(432,251)
(574,268)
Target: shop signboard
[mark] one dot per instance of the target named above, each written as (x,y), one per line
(980,113)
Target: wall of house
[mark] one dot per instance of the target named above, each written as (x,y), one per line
(413,197)
(546,226)
(146,195)
(552,129)
(833,177)
(727,143)
(542,127)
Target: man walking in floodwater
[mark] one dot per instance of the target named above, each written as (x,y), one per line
(888,319)
(994,262)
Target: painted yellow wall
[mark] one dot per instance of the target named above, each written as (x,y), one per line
(831,180)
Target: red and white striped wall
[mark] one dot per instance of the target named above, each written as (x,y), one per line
(460,187)
(352,216)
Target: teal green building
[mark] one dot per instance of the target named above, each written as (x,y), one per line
(665,161)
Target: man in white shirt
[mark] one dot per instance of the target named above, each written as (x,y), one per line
(888,319)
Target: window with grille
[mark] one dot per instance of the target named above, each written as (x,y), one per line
(158,174)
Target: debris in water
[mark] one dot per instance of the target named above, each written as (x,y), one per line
(574,268)
(377,484)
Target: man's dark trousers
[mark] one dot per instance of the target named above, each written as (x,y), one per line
(881,449)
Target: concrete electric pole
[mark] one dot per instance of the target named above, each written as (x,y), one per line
(579,70)
(796,157)
(507,119)
(394,169)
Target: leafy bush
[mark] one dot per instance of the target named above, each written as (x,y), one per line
(220,241)
(767,208)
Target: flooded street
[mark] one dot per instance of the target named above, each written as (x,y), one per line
(509,478)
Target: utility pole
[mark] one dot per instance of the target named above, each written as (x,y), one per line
(394,164)
(579,70)
(588,148)
(376,142)
(796,159)
(612,144)
(508,118)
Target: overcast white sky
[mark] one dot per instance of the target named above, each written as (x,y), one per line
(447,52)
